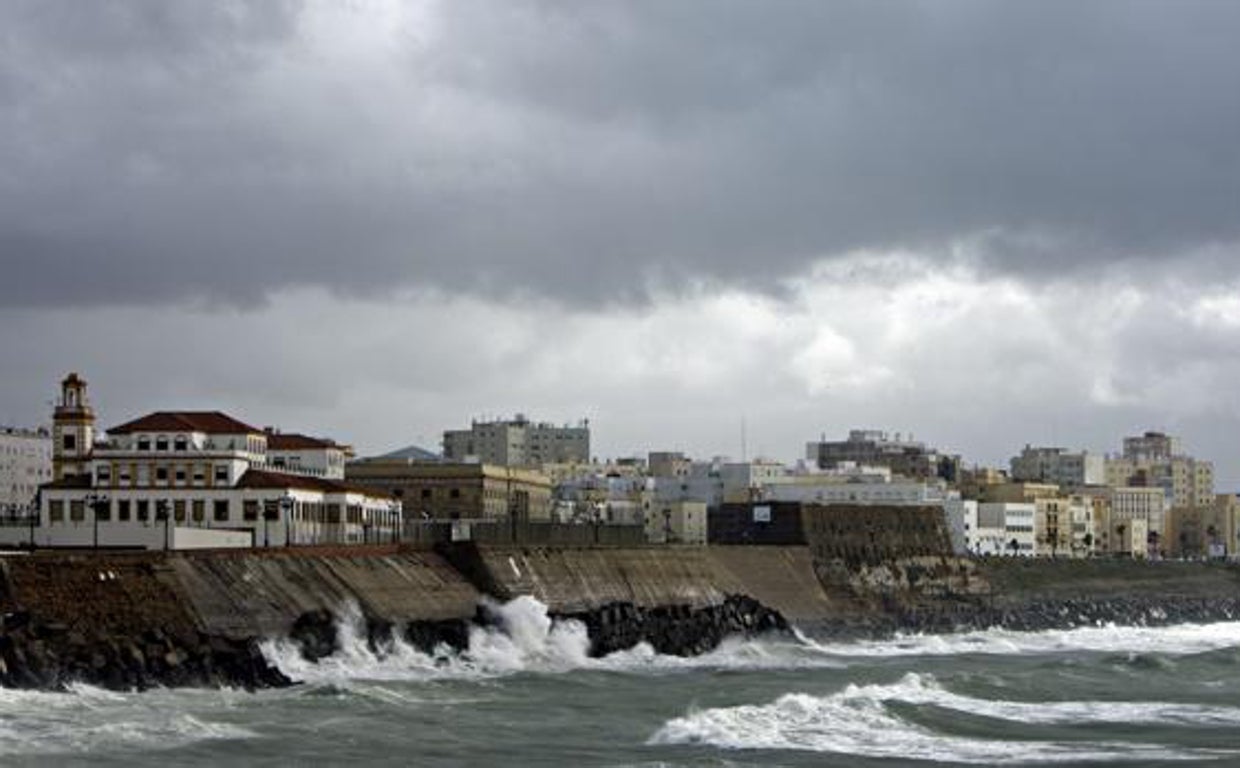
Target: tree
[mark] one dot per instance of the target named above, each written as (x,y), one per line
(1120,530)
(1014,545)
(1088,541)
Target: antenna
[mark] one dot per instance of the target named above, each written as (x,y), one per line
(744,443)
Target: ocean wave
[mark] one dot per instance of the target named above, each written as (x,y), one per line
(857,721)
(1177,640)
(524,639)
(88,720)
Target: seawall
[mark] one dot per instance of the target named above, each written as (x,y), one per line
(133,620)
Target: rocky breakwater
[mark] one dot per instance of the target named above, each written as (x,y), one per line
(114,622)
(676,630)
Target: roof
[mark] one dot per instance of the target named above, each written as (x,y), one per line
(292,441)
(412,453)
(209,422)
(72,481)
(261,478)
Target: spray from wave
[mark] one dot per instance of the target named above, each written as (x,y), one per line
(858,721)
(521,638)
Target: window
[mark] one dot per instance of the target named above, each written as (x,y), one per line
(70,442)
(199,510)
(161,443)
(181,443)
(333,513)
(77,511)
(125,478)
(122,510)
(161,474)
(103,511)
(455,493)
(426,493)
(144,444)
(221,473)
(200,475)
(178,510)
(249,510)
(221,510)
(144,510)
(56,511)
(104,474)
(180,475)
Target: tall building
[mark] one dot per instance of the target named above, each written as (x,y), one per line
(1069,470)
(518,443)
(25,464)
(1157,460)
(868,447)
(73,430)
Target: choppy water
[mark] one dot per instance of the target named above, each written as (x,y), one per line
(530,696)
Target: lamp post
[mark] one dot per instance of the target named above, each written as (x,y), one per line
(286,512)
(161,513)
(96,502)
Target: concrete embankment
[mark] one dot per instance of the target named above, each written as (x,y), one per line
(134,620)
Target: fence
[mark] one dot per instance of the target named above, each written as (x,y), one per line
(506,532)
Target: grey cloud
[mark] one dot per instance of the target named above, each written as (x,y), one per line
(581,151)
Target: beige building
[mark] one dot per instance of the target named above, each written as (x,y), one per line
(676,522)
(457,491)
(518,443)
(1063,526)
(1018,493)
(1157,460)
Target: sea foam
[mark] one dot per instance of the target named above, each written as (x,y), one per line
(857,721)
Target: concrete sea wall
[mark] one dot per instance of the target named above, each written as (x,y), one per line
(196,618)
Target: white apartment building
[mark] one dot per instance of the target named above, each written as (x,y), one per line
(194,479)
(25,464)
(1004,529)
(518,443)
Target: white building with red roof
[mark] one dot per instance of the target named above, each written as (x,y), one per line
(198,479)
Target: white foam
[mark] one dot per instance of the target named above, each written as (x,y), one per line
(1179,640)
(857,721)
(523,639)
(87,720)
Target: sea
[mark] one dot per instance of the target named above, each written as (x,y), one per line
(525,693)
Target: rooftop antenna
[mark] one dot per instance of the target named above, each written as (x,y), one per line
(744,442)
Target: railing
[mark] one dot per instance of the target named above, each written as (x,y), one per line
(502,531)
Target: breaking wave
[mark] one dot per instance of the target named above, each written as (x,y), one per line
(524,638)
(858,721)
(1177,640)
(88,720)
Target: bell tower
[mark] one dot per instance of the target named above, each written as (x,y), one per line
(73,430)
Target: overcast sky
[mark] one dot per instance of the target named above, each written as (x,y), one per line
(988,224)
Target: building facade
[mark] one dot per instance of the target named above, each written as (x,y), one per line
(518,443)
(1057,466)
(25,464)
(904,456)
(458,491)
(190,479)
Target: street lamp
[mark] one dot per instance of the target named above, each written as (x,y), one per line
(286,511)
(161,513)
(96,502)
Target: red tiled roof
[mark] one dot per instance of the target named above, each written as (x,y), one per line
(291,441)
(209,422)
(261,478)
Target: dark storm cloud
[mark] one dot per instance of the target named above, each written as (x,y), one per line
(158,150)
